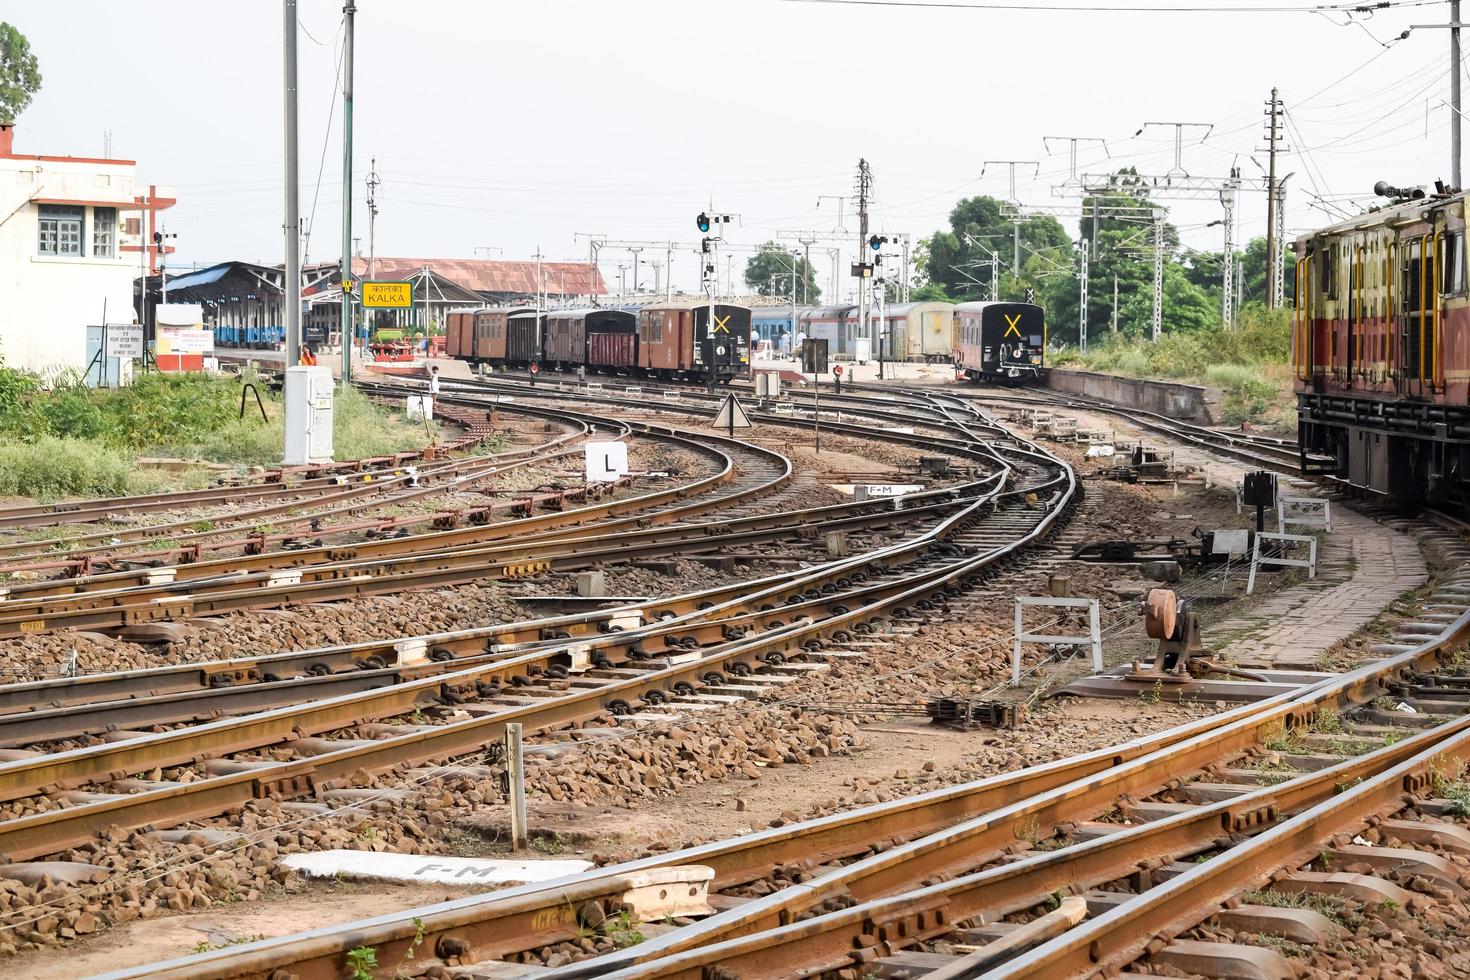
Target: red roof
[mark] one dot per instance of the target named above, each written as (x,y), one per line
(495,275)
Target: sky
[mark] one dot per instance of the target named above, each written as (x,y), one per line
(502,128)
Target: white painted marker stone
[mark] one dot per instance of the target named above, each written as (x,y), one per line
(427,868)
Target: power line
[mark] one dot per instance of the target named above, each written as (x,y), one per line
(1347,8)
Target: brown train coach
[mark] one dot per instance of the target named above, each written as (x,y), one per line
(459,334)
(480,335)
(569,334)
(676,340)
(1381,348)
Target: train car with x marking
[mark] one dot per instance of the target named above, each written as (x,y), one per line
(679,339)
(1002,342)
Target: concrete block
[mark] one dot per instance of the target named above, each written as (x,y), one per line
(591,584)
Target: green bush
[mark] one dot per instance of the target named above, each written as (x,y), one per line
(52,467)
(1245,364)
(72,440)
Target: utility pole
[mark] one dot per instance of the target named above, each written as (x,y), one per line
(1115,304)
(1277,285)
(291,280)
(1273,244)
(1227,301)
(349,14)
(903,286)
(372,203)
(1082,304)
(1016,203)
(806,289)
(1455,117)
(864,185)
(1158,318)
(668,264)
(635,250)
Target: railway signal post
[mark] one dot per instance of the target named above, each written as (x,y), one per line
(705,222)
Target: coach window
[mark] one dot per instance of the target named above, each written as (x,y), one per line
(1452,271)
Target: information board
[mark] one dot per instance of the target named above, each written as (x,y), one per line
(125,342)
(387,295)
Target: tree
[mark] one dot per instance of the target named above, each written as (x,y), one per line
(20,77)
(958,259)
(769,273)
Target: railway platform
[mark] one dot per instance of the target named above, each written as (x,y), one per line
(1362,567)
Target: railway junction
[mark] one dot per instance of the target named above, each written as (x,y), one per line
(741,708)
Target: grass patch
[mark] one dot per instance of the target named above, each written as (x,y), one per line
(1250,365)
(69,440)
(50,467)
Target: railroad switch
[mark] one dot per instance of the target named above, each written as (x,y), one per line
(1181,655)
(968,713)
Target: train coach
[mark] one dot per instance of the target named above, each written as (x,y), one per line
(921,331)
(678,340)
(499,335)
(1381,348)
(1004,342)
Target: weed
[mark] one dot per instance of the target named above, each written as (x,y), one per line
(549,844)
(418,938)
(1280,944)
(205,946)
(623,931)
(1030,832)
(1154,694)
(1386,703)
(1326,905)
(1284,741)
(362,963)
(1327,722)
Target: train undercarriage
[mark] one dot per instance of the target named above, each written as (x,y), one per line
(1406,450)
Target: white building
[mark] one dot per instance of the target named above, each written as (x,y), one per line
(74,232)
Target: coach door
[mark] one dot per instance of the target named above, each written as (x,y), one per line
(1416,317)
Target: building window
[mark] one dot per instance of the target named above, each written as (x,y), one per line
(104,232)
(61,230)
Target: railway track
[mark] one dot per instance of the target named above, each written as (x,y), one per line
(878,888)
(138,547)
(740,471)
(864,890)
(726,639)
(967,879)
(295,481)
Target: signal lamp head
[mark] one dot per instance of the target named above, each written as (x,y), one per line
(702,222)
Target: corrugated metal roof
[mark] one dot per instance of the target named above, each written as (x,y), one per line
(494,275)
(202,277)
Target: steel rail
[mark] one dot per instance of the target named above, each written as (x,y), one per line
(1247,449)
(392,488)
(554,917)
(28,722)
(178,678)
(475,924)
(68,512)
(861,933)
(372,484)
(349,578)
(1147,922)
(22,777)
(48,832)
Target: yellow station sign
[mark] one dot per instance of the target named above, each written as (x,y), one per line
(387,295)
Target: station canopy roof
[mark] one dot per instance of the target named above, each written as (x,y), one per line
(494,275)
